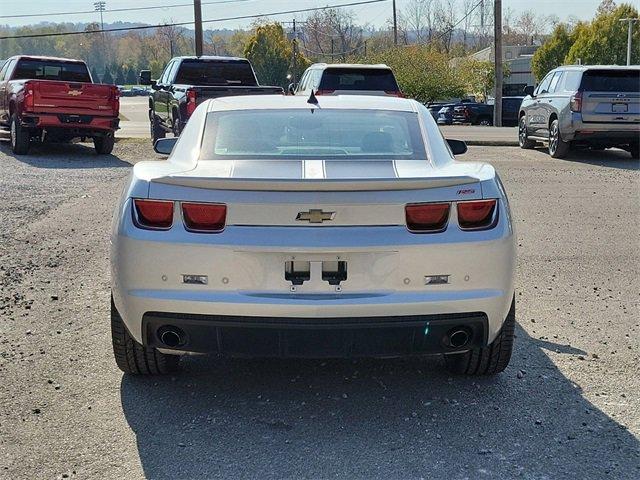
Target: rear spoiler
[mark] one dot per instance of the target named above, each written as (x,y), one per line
(290,185)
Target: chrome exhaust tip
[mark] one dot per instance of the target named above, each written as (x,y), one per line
(171,337)
(458,337)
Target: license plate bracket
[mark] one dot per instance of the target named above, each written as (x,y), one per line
(619,107)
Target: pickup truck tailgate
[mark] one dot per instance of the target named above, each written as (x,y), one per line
(74,98)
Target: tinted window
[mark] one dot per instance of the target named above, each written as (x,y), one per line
(331,134)
(554,82)
(165,73)
(3,70)
(544,86)
(611,81)
(358,79)
(51,70)
(172,72)
(215,72)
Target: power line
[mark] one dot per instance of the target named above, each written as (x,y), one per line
(128,9)
(180,24)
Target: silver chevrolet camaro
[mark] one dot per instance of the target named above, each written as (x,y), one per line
(312,227)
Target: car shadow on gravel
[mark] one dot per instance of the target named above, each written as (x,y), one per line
(610,158)
(64,155)
(373,419)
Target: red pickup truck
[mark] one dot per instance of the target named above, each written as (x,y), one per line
(55,99)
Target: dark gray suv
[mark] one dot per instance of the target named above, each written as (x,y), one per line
(578,105)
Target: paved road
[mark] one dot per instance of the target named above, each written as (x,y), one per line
(567,407)
(136,125)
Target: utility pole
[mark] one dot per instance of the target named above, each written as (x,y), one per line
(395,24)
(332,50)
(497,52)
(629,36)
(197,20)
(100,7)
(294,47)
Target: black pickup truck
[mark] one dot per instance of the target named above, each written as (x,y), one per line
(188,81)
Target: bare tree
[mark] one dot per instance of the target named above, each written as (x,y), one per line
(173,37)
(333,34)
(416,20)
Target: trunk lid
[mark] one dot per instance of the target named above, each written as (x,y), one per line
(320,193)
(611,96)
(74,98)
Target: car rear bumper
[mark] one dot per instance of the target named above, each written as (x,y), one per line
(238,336)
(62,121)
(615,132)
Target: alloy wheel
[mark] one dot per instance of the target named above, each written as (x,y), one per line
(553,138)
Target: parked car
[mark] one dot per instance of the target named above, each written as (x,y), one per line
(434,108)
(445,115)
(339,227)
(578,105)
(482,113)
(55,99)
(347,78)
(188,81)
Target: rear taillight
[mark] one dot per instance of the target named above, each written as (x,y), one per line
(28,96)
(204,217)
(575,104)
(476,214)
(192,96)
(153,214)
(427,217)
(115,98)
(324,92)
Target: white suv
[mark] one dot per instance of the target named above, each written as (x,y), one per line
(347,78)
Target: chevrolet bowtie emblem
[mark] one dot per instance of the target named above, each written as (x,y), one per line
(315,216)
(75,93)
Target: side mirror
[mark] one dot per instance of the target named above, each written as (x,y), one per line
(145,77)
(458,147)
(164,146)
(292,89)
(528,90)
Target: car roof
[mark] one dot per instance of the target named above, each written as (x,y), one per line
(44,57)
(349,65)
(584,68)
(277,102)
(209,57)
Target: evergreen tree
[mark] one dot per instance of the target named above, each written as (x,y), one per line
(131,78)
(107,77)
(94,75)
(119,76)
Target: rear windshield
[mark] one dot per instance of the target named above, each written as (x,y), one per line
(51,70)
(312,134)
(611,81)
(215,73)
(381,79)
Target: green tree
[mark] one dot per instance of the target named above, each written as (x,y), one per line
(94,75)
(131,77)
(604,40)
(107,77)
(271,54)
(423,73)
(478,77)
(119,76)
(553,52)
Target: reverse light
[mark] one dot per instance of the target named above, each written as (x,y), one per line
(427,217)
(475,215)
(575,103)
(192,96)
(204,217)
(153,214)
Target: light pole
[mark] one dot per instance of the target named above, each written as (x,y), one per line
(629,35)
(100,7)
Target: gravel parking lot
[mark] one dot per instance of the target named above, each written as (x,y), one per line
(567,407)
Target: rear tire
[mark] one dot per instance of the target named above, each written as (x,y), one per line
(20,138)
(485,122)
(157,132)
(136,359)
(104,145)
(523,137)
(634,150)
(488,360)
(558,148)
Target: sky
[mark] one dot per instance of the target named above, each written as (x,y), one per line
(376,14)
